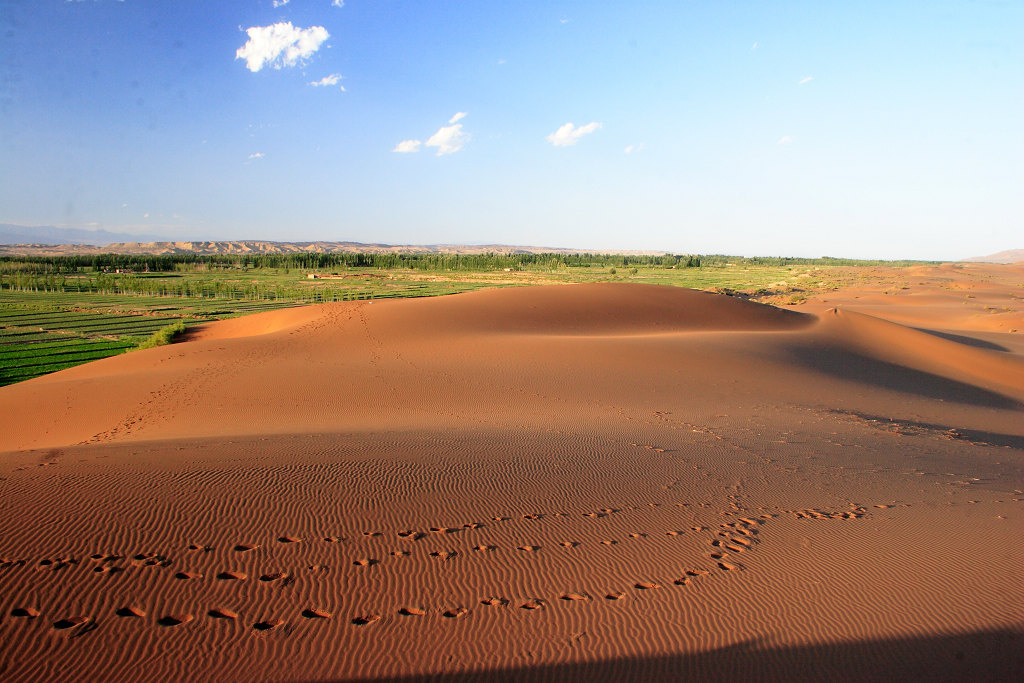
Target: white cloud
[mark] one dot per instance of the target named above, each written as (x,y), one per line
(406,146)
(754,46)
(448,139)
(633,148)
(806,79)
(257,155)
(569,134)
(333,79)
(280,45)
(338,3)
(279,3)
(784,140)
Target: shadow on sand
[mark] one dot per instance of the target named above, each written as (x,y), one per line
(848,365)
(996,655)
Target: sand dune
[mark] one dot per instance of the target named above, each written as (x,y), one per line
(582,482)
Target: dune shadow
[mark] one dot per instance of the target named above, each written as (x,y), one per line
(963,339)
(991,655)
(851,366)
(973,435)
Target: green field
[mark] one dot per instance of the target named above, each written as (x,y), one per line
(57,312)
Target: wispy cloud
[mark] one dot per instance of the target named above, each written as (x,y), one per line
(633,148)
(569,134)
(754,46)
(806,79)
(784,140)
(407,146)
(333,79)
(448,139)
(337,3)
(279,3)
(257,155)
(280,45)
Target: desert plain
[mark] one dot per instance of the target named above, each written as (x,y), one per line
(604,481)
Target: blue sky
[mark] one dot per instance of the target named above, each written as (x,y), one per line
(863,129)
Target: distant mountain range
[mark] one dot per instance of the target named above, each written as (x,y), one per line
(1009,256)
(49,234)
(51,241)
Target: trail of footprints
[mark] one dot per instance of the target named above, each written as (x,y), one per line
(729,541)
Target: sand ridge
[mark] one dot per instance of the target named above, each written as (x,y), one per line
(572,482)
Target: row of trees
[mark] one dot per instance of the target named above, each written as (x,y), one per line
(127,284)
(313,261)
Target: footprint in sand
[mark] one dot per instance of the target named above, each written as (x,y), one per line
(289,539)
(529,548)
(75,625)
(221,613)
(25,612)
(332,539)
(105,569)
(728,566)
(365,562)
(485,548)
(412,611)
(532,604)
(244,547)
(411,535)
(455,613)
(494,602)
(151,560)
(316,613)
(615,595)
(400,553)
(174,619)
(443,554)
(130,611)
(569,544)
(195,546)
(232,576)
(185,576)
(366,619)
(273,576)
(572,597)
(645,585)
(267,624)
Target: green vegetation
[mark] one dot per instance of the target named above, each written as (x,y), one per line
(165,335)
(56,312)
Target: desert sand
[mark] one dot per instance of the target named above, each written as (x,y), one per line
(585,482)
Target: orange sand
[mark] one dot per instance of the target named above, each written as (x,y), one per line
(591,482)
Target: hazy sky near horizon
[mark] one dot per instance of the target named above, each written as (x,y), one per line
(885,129)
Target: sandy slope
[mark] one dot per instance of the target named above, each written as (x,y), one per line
(597,481)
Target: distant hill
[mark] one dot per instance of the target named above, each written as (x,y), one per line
(1009,256)
(265,247)
(52,235)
